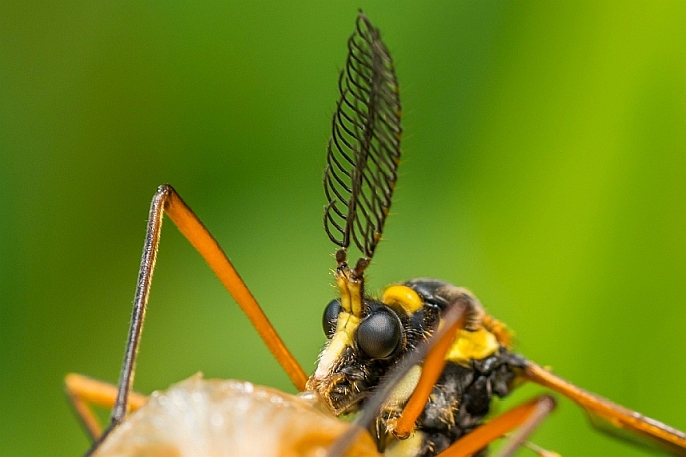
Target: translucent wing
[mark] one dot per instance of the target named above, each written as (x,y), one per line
(364,150)
(612,418)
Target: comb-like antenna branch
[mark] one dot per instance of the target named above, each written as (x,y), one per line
(364,150)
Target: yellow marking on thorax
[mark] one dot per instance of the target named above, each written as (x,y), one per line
(469,346)
(356,297)
(342,283)
(404,389)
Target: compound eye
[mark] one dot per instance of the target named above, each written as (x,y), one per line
(379,334)
(330,317)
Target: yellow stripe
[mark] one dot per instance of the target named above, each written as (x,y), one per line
(469,346)
(345,329)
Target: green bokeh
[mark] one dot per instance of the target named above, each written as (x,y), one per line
(544,168)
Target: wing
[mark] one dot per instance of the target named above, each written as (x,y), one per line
(364,150)
(610,417)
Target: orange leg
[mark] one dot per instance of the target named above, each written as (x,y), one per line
(84,392)
(201,239)
(539,450)
(602,411)
(525,417)
(167,200)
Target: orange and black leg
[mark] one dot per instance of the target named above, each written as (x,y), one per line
(167,200)
(84,393)
(523,418)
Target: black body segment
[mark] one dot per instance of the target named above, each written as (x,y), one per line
(364,150)
(440,294)
(462,398)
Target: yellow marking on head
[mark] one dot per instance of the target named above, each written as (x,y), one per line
(404,297)
(345,329)
(342,283)
(350,288)
(356,297)
(469,346)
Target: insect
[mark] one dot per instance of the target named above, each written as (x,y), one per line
(421,364)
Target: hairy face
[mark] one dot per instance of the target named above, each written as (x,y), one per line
(361,350)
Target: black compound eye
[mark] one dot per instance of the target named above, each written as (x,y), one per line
(379,334)
(331,317)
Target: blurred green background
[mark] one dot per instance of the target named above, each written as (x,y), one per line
(544,168)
